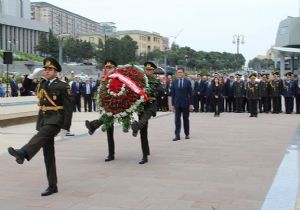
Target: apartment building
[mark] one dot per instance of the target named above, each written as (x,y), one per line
(62,21)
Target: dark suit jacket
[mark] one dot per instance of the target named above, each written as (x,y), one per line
(182,97)
(76,91)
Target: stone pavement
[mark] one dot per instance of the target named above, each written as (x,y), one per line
(228,164)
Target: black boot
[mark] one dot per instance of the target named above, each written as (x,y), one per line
(135,128)
(89,126)
(50,190)
(144,159)
(19,154)
(109,158)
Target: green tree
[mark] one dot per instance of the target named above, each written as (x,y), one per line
(43,45)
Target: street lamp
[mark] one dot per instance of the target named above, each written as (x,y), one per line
(238,39)
(60,49)
(186,61)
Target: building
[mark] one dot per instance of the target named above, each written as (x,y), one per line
(146,41)
(17,30)
(287,45)
(62,21)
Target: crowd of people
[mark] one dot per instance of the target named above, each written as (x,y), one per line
(58,98)
(223,93)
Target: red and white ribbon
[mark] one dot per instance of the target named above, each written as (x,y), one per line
(130,84)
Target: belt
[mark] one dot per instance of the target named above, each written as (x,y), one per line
(152,99)
(50,108)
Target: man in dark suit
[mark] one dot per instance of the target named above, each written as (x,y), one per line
(229,94)
(87,91)
(14,86)
(55,114)
(76,88)
(182,94)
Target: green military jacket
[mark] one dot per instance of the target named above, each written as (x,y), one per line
(253,90)
(155,89)
(276,87)
(54,101)
(239,89)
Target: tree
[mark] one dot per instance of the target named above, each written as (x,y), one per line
(43,45)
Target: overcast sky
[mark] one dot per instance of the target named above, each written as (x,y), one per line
(207,25)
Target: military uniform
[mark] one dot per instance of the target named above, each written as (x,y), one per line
(150,108)
(239,94)
(253,94)
(265,101)
(288,93)
(276,91)
(54,101)
(95,124)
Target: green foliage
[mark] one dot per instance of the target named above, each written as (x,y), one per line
(259,64)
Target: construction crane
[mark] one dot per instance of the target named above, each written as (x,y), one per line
(175,37)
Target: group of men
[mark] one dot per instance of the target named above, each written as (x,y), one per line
(55,114)
(237,93)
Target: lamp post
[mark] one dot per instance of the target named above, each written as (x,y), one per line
(186,61)
(60,45)
(238,39)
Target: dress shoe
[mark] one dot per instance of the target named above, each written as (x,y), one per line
(49,191)
(70,134)
(135,128)
(18,154)
(187,137)
(89,127)
(176,139)
(144,160)
(109,158)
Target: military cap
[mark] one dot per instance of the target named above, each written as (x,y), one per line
(253,75)
(276,73)
(150,65)
(237,74)
(52,63)
(265,75)
(288,74)
(109,63)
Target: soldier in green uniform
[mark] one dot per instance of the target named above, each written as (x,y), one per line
(55,114)
(253,94)
(276,91)
(92,126)
(265,88)
(239,93)
(150,108)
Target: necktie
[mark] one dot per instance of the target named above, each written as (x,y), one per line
(180,83)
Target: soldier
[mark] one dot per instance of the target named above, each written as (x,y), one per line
(288,93)
(239,93)
(297,94)
(55,114)
(276,90)
(253,94)
(265,88)
(92,126)
(150,108)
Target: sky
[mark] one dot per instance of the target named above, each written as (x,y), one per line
(206,25)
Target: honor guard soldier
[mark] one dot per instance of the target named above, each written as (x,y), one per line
(265,89)
(55,114)
(92,126)
(288,93)
(253,94)
(239,93)
(276,91)
(150,108)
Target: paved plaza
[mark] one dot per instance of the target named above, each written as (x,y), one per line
(228,164)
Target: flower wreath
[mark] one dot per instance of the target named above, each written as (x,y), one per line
(122,94)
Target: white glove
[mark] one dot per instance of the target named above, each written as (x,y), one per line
(63,133)
(36,73)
